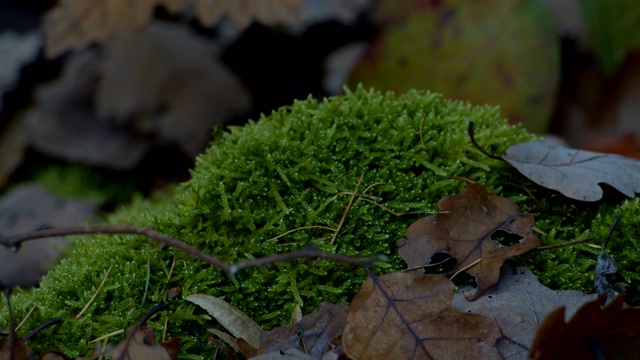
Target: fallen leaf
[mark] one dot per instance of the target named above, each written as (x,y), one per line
(315,335)
(574,173)
(594,332)
(17,50)
(140,344)
(14,142)
(518,304)
(606,265)
(20,350)
(242,13)
(74,24)
(230,317)
(169,81)
(28,208)
(401,315)
(62,122)
(463,229)
(293,354)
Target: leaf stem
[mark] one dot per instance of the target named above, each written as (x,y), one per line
(480,148)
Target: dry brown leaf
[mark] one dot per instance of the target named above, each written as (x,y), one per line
(140,344)
(406,316)
(315,335)
(242,12)
(464,230)
(20,350)
(594,332)
(74,24)
(168,80)
(574,173)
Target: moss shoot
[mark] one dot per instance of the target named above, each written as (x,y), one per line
(296,169)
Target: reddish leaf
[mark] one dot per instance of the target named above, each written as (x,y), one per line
(400,315)
(464,232)
(593,332)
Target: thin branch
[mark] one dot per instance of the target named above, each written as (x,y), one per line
(568,243)
(14,241)
(95,293)
(480,148)
(346,211)
(421,125)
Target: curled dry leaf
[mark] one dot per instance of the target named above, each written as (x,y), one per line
(229,316)
(594,332)
(400,315)
(574,173)
(464,230)
(315,335)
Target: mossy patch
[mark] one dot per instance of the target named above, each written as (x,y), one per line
(292,169)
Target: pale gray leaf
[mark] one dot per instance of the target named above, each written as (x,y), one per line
(235,321)
(575,173)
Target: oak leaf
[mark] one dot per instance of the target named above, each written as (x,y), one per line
(594,332)
(75,24)
(401,315)
(576,174)
(463,229)
(518,304)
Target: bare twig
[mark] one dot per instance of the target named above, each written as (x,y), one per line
(568,243)
(480,148)
(346,211)
(14,241)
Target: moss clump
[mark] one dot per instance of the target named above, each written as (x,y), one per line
(289,170)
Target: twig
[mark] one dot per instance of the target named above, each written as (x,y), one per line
(302,228)
(346,211)
(35,331)
(14,241)
(568,243)
(421,138)
(475,143)
(95,293)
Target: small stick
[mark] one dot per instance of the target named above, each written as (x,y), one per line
(346,211)
(475,143)
(568,243)
(229,269)
(95,293)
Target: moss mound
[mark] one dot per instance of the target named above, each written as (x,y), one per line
(294,169)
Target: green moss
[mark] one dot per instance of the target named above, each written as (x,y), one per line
(293,169)
(83,182)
